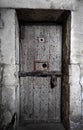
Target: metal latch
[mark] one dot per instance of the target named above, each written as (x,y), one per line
(52,74)
(40,73)
(53,81)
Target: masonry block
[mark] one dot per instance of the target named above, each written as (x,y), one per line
(8,103)
(45,4)
(7,37)
(75,96)
(9,75)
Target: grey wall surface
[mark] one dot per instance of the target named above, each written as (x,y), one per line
(43,4)
(76,67)
(9,63)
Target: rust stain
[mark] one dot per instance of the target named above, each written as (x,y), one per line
(41,66)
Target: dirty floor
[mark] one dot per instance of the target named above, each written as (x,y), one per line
(57,126)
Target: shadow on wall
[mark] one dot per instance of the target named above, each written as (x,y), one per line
(1,106)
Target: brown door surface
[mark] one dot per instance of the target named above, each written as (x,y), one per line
(40,60)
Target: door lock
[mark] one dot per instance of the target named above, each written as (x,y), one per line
(53,81)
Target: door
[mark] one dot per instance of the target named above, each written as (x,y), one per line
(40,68)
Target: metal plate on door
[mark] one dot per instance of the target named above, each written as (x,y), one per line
(41,40)
(41,66)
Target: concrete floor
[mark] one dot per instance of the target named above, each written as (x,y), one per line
(57,126)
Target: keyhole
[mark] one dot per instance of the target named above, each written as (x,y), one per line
(41,40)
(44,65)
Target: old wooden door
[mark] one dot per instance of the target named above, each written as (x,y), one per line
(40,66)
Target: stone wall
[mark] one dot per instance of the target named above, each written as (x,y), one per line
(38,4)
(8,65)
(76,68)
(9,58)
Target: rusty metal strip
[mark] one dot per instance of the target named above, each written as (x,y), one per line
(40,74)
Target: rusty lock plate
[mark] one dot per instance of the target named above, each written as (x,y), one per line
(41,66)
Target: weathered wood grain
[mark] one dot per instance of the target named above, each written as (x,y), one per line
(39,101)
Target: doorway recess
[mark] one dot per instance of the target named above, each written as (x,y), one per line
(60,18)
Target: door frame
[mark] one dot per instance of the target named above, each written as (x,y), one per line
(65,20)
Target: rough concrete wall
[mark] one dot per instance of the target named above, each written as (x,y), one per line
(8,65)
(40,4)
(76,68)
